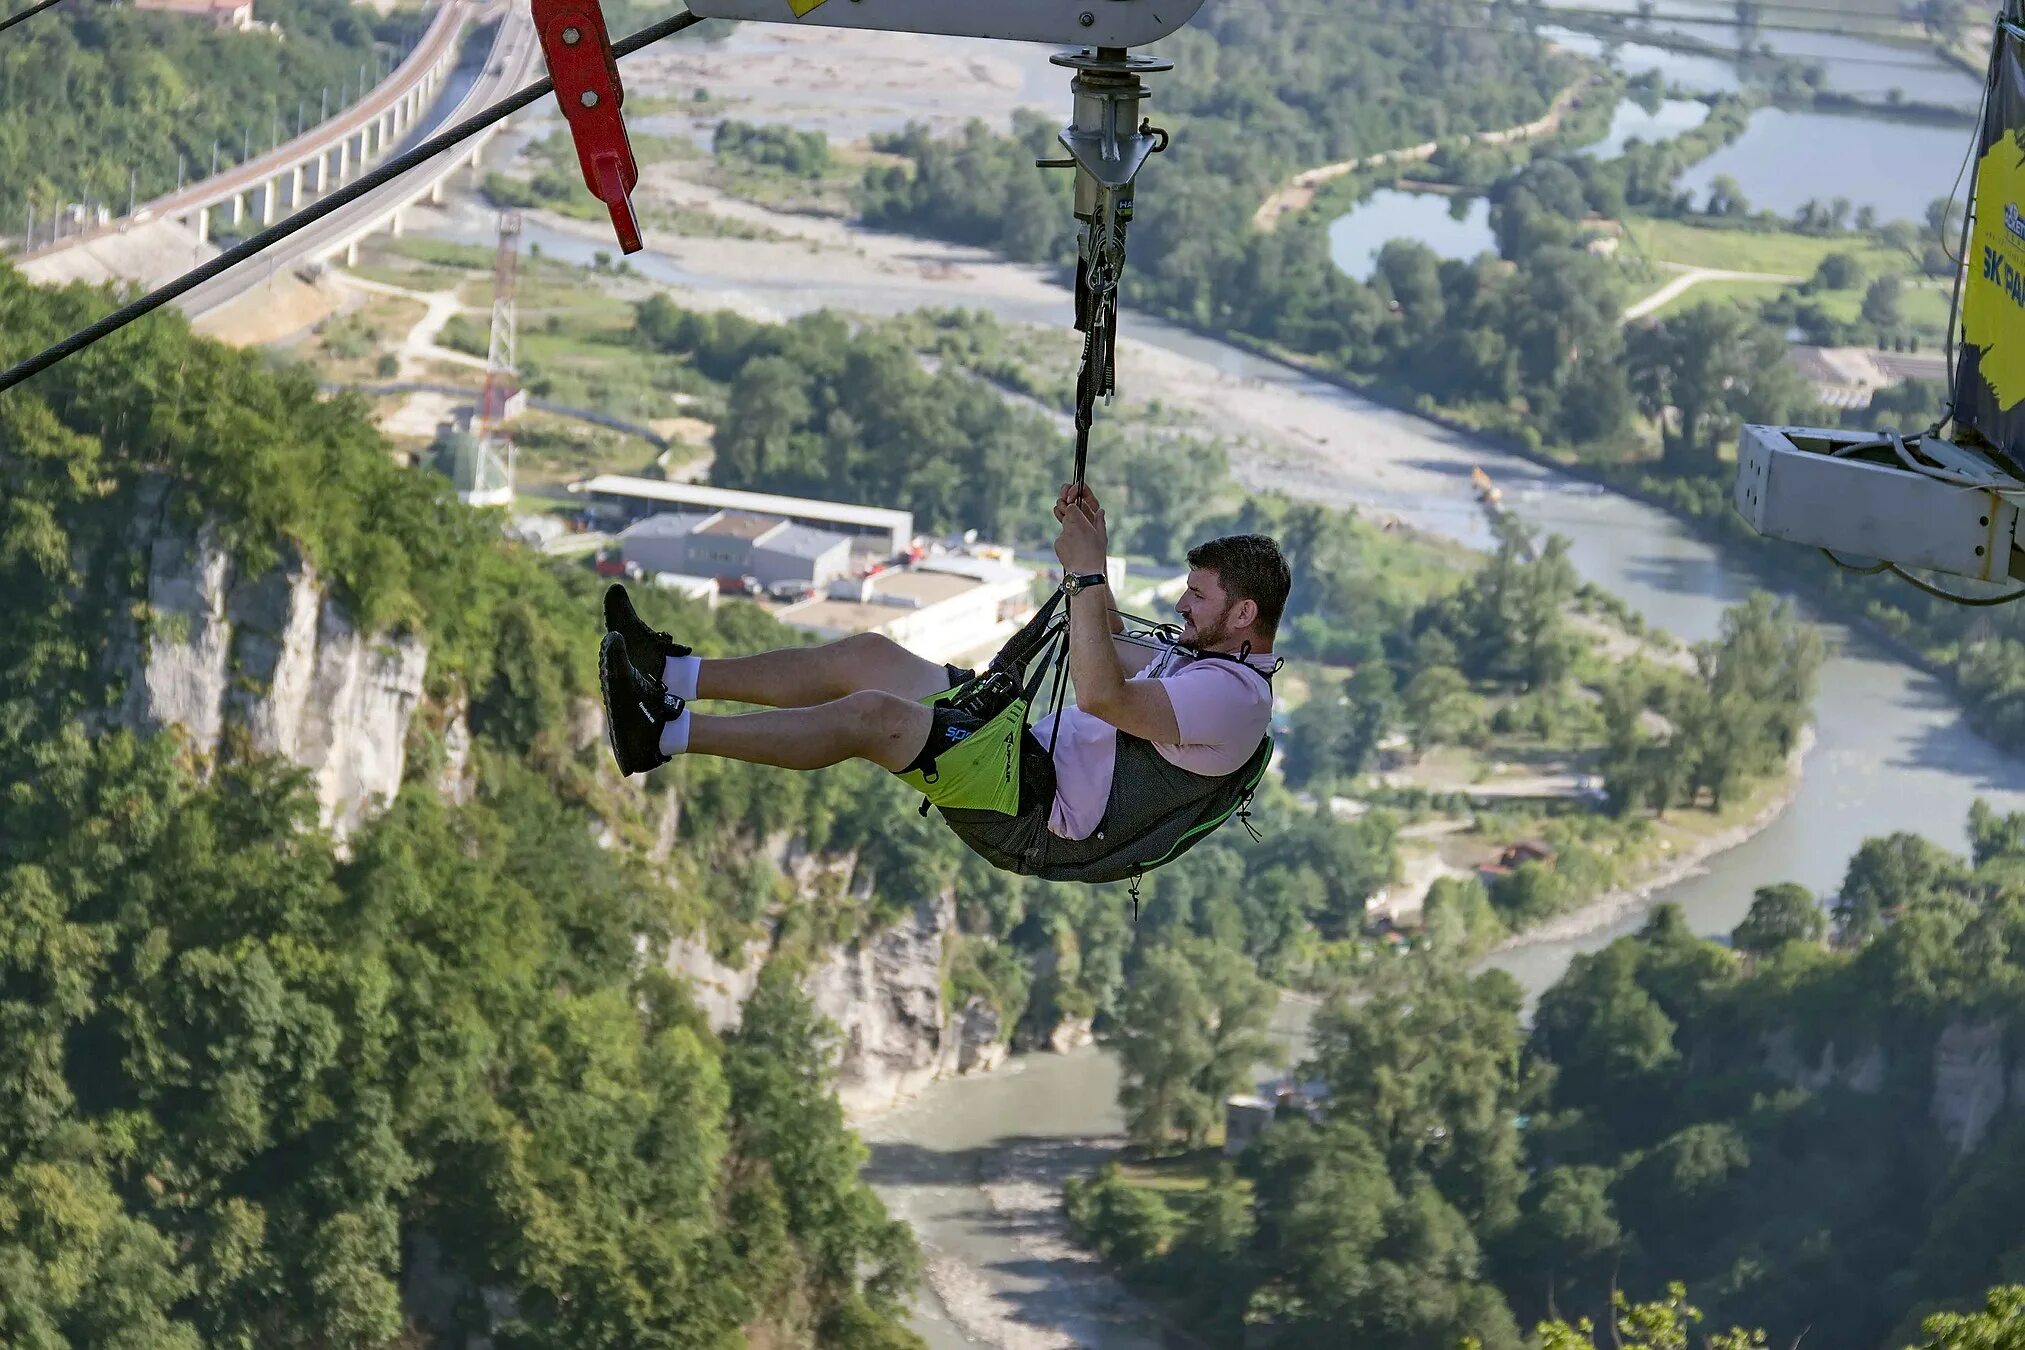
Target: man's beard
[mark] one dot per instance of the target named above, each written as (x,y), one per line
(1208,635)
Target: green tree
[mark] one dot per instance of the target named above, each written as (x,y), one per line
(1838,272)
(1191,1029)
(1726,198)
(1127,1224)
(1993,836)
(1360,1258)
(781,1072)
(1702,372)
(1508,624)
(1426,1067)
(1888,874)
(1660,1325)
(1458,916)
(1779,914)
(1883,303)
(1999,1325)
(1439,708)
(1570,1228)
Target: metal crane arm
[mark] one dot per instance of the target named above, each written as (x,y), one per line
(1095,23)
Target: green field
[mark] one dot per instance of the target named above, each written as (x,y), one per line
(1924,305)
(1749,293)
(1780,253)
(1776,251)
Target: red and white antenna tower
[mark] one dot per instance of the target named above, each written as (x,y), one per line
(492,479)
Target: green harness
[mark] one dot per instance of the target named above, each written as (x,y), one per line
(980,772)
(1156,812)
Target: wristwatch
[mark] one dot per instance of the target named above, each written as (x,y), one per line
(1076,582)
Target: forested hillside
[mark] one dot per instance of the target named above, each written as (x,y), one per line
(1823,1141)
(95,92)
(264,1092)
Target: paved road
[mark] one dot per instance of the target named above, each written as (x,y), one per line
(514,61)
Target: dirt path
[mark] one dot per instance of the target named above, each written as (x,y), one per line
(1695,276)
(420,344)
(1299,191)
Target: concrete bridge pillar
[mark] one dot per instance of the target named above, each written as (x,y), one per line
(202,221)
(344,154)
(238,208)
(395,224)
(270,200)
(436,193)
(352,254)
(295,176)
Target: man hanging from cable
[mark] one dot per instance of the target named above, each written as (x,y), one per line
(1153,756)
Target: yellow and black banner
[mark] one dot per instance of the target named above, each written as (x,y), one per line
(1990,364)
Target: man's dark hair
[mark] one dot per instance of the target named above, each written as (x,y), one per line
(1250,568)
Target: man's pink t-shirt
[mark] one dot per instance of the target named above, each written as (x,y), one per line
(1221,709)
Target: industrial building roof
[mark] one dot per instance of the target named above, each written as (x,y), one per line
(765,503)
(802,541)
(925,588)
(669,524)
(741,525)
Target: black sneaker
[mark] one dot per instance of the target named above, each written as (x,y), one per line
(647,648)
(636,708)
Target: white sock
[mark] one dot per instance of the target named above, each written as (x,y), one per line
(675,734)
(680,676)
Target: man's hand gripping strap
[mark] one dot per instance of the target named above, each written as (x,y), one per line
(580,61)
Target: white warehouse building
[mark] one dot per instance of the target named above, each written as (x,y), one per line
(736,544)
(624,499)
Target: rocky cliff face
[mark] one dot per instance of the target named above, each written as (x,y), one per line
(884,994)
(214,647)
(1972,1081)
(217,650)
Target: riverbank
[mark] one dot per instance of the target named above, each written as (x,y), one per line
(1613,907)
(1298,193)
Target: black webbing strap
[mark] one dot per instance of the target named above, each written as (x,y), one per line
(1022,646)
(1097,321)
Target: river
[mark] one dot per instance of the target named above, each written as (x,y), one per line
(974,1163)
(1850,62)
(1892,167)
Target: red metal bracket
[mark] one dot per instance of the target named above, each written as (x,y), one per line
(586,76)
